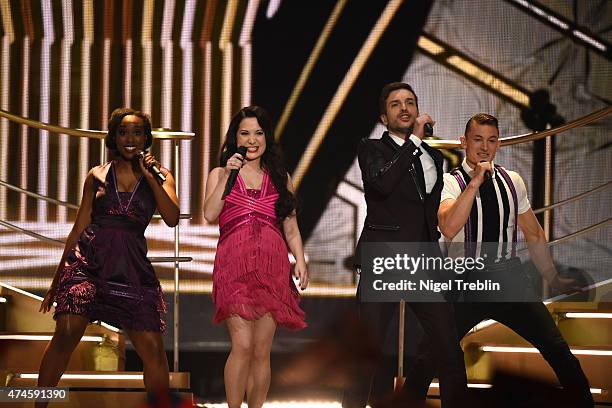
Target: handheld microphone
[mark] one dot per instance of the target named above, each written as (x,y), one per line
(153,169)
(428,129)
(487,174)
(231,180)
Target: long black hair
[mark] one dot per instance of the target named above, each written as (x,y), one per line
(271,160)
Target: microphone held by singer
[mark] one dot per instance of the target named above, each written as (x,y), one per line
(231,180)
(153,168)
(487,174)
(428,129)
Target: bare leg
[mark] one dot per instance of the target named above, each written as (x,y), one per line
(259,374)
(68,332)
(239,361)
(150,348)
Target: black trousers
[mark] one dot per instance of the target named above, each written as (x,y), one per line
(533,322)
(438,323)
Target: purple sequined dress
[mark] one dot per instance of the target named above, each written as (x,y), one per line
(106,275)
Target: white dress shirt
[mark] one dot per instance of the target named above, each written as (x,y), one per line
(429,167)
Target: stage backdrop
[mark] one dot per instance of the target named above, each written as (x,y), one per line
(318,68)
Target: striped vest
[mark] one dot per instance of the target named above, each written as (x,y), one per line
(498,201)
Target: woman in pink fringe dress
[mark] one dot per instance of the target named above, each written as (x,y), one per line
(252,285)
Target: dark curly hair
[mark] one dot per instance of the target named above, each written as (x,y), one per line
(271,160)
(110,140)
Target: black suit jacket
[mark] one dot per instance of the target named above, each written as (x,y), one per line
(397,211)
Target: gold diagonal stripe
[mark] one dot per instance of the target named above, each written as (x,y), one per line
(312,60)
(344,88)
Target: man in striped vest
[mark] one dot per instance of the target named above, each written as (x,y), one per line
(483,203)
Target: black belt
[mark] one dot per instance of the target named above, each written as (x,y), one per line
(120,223)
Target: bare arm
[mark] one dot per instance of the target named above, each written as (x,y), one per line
(83,219)
(215,185)
(294,241)
(166,199)
(534,234)
(453,214)
(213,203)
(540,254)
(165,194)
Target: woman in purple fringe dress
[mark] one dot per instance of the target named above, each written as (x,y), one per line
(104,273)
(252,285)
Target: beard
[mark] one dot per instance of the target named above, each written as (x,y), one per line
(401,130)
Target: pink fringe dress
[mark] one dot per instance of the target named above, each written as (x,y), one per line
(252,273)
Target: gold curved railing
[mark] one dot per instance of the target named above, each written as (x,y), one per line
(90,134)
(39,196)
(439,144)
(63,203)
(580,232)
(32,234)
(530,137)
(574,198)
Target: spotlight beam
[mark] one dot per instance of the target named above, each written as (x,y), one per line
(568,28)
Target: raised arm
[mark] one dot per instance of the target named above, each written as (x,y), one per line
(213,203)
(165,194)
(215,185)
(453,214)
(167,201)
(381,174)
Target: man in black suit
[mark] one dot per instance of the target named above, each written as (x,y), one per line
(402,179)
